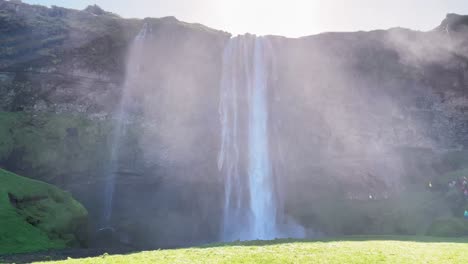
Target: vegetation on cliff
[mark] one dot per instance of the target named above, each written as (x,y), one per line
(37,216)
(61,73)
(50,146)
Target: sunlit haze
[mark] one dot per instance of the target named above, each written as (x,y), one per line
(288,18)
(234,131)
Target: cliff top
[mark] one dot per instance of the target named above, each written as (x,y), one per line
(453,22)
(15,9)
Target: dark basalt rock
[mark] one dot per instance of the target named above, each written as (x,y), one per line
(95,9)
(454,22)
(98,11)
(333,97)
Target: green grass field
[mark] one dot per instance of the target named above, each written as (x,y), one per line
(348,250)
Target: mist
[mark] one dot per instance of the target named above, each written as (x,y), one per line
(173,134)
(353,130)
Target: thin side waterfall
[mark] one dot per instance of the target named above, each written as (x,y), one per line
(250,210)
(121,120)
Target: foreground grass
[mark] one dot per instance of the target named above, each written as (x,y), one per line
(351,250)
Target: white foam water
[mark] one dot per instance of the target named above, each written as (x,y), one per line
(250,207)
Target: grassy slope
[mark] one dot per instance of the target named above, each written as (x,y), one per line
(54,216)
(351,250)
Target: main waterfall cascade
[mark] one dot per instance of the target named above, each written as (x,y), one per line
(250,206)
(121,120)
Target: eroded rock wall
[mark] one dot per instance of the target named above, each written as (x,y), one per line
(353,116)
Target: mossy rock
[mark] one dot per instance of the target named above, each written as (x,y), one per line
(36,216)
(448,227)
(62,149)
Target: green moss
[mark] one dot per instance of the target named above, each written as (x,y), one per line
(7,122)
(449,227)
(37,216)
(411,212)
(455,160)
(455,175)
(49,146)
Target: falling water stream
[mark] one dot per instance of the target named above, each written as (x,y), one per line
(120,122)
(250,202)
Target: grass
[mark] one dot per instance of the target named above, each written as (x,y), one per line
(41,217)
(346,250)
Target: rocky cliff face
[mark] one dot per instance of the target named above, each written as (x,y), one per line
(62,73)
(61,60)
(365,113)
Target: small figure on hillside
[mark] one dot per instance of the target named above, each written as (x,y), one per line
(466,214)
(452,184)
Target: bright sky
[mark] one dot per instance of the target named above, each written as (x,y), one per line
(291,18)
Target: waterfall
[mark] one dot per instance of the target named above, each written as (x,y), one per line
(262,199)
(250,208)
(121,120)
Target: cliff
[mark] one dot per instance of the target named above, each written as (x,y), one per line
(352,115)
